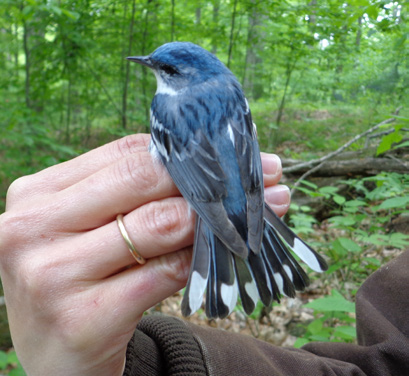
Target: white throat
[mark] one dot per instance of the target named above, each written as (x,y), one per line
(163,87)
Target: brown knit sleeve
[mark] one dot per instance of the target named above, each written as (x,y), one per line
(168,342)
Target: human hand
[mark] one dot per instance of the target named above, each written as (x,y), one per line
(73,291)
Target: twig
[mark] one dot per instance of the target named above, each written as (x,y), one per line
(298,166)
(321,161)
(384,133)
(395,159)
(305,175)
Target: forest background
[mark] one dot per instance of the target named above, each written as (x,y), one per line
(316,73)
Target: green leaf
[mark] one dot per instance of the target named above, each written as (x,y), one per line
(345,332)
(387,141)
(399,240)
(401,145)
(309,192)
(349,245)
(395,202)
(355,203)
(373,260)
(70,14)
(315,327)
(373,11)
(401,118)
(338,248)
(377,239)
(328,190)
(332,304)
(339,220)
(300,342)
(320,338)
(339,199)
(3,360)
(309,184)
(19,371)
(12,357)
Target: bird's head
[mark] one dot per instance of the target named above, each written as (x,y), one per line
(178,65)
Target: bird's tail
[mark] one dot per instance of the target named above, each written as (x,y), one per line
(265,276)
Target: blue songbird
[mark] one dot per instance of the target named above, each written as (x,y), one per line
(203,133)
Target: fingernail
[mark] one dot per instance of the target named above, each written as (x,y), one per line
(271,164)
(278,195)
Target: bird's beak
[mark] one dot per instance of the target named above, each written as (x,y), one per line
(144,60)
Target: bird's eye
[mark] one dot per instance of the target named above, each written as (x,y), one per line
(168,69)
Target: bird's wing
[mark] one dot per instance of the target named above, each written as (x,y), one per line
(193,165)
(243,133)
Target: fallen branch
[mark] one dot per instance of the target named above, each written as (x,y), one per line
(313,162)
(317,164)
(357,167)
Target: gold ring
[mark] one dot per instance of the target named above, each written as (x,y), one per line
(128,241)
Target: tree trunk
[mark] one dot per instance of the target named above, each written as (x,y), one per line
(68,117)
(289,70)
(27,64)
(172,22)
(198,13)
(127,68)
(358,34)
(216,8)
(231,39)
(312,15)
(144,52)
(16,50)
(252,82)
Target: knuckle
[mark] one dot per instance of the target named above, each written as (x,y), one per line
(137,172)
(176,266)
(12,230)
(165,218)
(19,189)
(46,293)
(132,143)
(38,277)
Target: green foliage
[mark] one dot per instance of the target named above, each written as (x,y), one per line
(335,322)
(360,230)
(308,70)
(393,138)
(10,363)
(361,219)
(334,303)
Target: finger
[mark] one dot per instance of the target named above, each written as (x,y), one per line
(63,175)
(155,281)
(279,198)
(119,188)
(123,298)
(155,229)
(133,181)
(272,170)
(96,200)
(106,310)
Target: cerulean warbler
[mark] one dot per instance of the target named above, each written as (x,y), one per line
(203,133)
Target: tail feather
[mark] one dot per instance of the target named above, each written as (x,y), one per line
(264,275)
(221,293)
(275,264)
(247,286)
(262,279)
(278,254)
(302,250)
(199,271)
